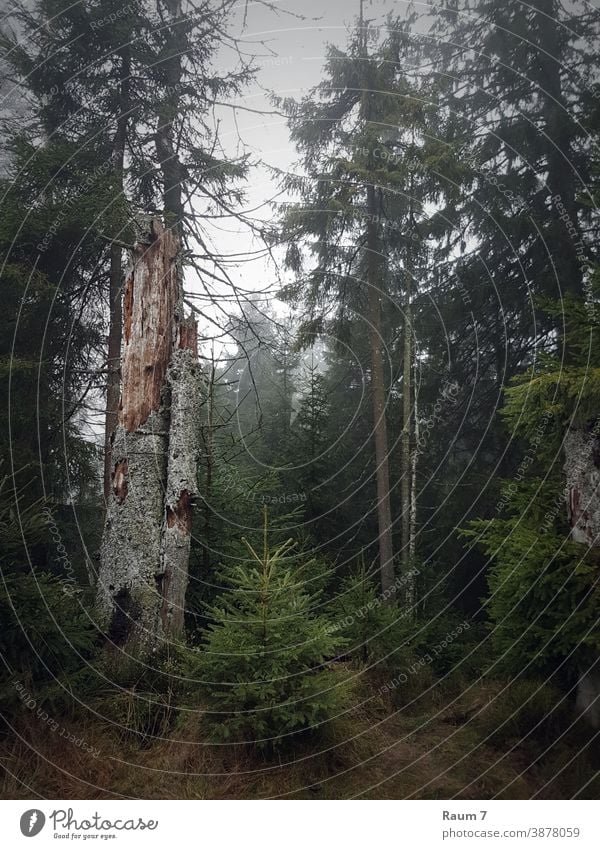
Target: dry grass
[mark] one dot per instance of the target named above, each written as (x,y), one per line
(436,748)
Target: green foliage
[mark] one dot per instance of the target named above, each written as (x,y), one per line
(360,617)
(544,594)
(46,631)
(20,525)
(47,634)
(554,395)
(387,154)
(52,324)
(266,661)
(543,588)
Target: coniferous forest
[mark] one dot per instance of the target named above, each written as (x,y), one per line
(300,399)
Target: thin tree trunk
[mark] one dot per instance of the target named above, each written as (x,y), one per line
(113,387)
(382,471)
(167,113)
(209,445)
(384,512)
(414,467)
(405,489)
(115,293)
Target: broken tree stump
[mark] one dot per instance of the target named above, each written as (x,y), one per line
(146,540)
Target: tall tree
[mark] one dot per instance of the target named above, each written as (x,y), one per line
(520,230)
(373,247)
(135,91)
(363,135)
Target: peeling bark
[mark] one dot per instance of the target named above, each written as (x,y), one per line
(151,296)
(582,469)
(146,540)
(119,480)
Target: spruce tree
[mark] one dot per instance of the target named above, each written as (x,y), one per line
(369,137)
(265,663)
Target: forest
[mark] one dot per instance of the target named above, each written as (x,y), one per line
(300,399)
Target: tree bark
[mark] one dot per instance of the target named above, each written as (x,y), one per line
(582,469)
(413,468)
(115,293)
(168,110)
(384,512)
(146,540)
(210,462)
(407,471)
(113,384)
(382,471)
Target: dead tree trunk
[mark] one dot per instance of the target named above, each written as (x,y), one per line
(582,468)
(146,540)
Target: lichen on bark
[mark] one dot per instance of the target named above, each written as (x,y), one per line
(183,378)
(582,471)
(146,540)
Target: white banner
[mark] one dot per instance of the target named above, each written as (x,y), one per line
(300,824)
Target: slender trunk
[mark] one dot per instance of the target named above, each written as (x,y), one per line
(115,293)
(413,468)
(113,388)
(384,512)
(562,180)
(209,445)
(558,145)
(405,489)
(167,113)
(313,413)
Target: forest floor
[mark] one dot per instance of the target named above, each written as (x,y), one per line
(442,746)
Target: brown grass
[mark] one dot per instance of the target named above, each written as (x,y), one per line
(434,749)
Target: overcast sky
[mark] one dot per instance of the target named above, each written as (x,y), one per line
(296,35)
(298,45)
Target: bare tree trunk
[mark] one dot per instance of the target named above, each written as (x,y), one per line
(382,471)
(410,421)
(167,113)
(405,489)
(115,293)
(146,540)
(413,469)
(210,459)
(582,468)
(384,512)
(113,386)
